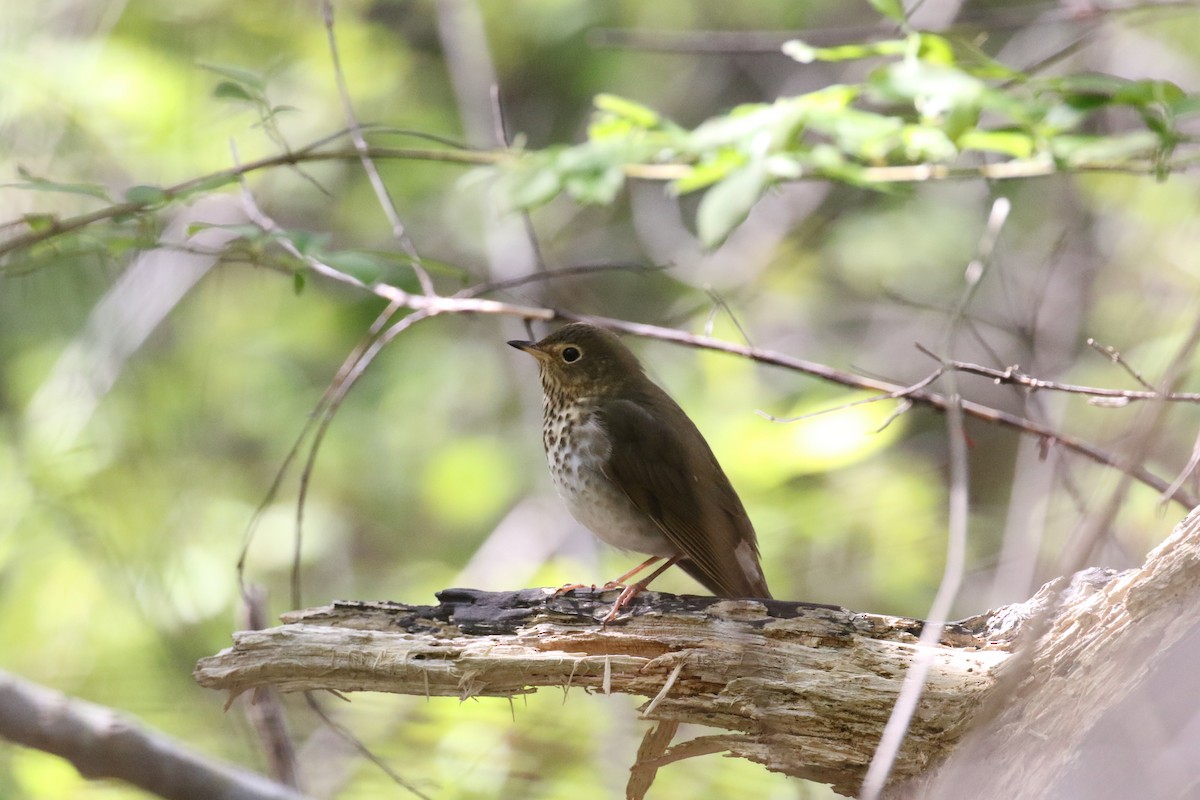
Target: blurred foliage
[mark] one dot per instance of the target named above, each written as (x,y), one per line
(120,535)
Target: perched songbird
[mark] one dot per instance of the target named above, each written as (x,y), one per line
(632,467)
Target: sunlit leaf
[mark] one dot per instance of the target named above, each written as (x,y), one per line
(934,49)
(807,54)
(638,114)
(1075,151)
(892,9)
(726,204)
(40,222)
(597,187)
(1017,144)
(927,143)
(531,181)
(709,172)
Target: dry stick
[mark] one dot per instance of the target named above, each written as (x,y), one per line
(1013,376)
(1184,474)
(368,164)
(913,685)
(1114,355)
(345,734)
(264,709)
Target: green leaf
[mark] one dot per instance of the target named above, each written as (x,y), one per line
(308,243)
(934,49)
(37,184)
(237,75)
(927,143)
(243,230)
(1145,93)
(364,266)
(298,281)
(708,172)
(892,9)
(40,222)
(210,182)
(1017,144)
(145,195)
(531,181)
(806,53)
(596,187)
(726,204)
(1186,106)
(1076,151)
(232,91)
(640,115)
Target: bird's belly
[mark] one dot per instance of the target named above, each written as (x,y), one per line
(597,503)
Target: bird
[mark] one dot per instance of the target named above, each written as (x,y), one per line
(633,468)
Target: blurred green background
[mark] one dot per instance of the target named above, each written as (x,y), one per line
(129,473)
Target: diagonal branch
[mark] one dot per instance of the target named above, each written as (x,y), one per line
(102,744)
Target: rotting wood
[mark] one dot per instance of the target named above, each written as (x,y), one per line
(804,689)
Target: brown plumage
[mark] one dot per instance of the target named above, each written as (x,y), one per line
(633,468)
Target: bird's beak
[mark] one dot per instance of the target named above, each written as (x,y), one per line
(531,348)
(527,347)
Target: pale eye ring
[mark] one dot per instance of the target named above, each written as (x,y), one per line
(571,354)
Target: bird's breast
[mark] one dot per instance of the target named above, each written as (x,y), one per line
(577,450)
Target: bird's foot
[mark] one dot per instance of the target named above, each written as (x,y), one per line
(570,587)
(623,599)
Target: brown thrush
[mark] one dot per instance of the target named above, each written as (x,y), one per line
(632,467)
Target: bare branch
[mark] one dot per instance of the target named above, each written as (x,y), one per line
(103,744)
(1014,376)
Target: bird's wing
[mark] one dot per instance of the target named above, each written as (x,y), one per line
(701,516)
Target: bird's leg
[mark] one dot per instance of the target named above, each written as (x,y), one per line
(570,587)
(634,589)
(619,583)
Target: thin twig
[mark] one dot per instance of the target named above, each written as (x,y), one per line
(1114,355)
(913,685)
(345,734)
(1014,376)
(360,144)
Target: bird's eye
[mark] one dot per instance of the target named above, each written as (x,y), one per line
(570,354)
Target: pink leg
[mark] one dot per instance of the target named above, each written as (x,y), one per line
(634,589)
(619,583)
